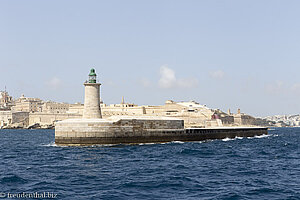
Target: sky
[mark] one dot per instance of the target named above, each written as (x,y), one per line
(224,54)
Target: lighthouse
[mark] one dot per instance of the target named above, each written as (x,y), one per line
(92,109)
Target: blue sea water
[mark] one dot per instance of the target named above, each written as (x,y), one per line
(264,167)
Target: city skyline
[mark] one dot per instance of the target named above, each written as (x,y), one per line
(223,54)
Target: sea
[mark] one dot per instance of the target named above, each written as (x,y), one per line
(261,167)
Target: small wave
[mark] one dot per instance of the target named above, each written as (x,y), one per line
(259,136)
(214,140)
(12,179)
(177,142)
(52,144)
(262,136)
(146,144)
(103,145)
(228,139)
(173,142)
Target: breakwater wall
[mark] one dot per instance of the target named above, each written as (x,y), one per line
(90,132)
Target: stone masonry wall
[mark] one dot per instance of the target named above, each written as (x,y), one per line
(49,118)
(121,128)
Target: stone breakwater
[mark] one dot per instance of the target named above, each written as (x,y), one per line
(140,130)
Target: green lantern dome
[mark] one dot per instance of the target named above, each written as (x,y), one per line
(92,73)
(92,76)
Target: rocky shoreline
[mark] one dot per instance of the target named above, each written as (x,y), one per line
(34,126)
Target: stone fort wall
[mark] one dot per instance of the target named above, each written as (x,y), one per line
(50,118)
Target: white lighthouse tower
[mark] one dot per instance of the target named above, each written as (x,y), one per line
(92,109)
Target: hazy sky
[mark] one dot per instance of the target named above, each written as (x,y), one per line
(225,54)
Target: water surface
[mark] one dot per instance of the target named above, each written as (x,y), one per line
(264,167)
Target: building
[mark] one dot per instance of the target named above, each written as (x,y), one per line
(5,100)
(193,113)
(26,104)
(45,119)
(53,107)
(5,118)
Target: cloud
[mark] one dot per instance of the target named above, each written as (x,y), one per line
(168,79)
(218,74)
(54,83)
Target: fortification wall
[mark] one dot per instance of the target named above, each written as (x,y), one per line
(89,131)
(50,118)
(20,117)
(5,118)
(93,131)
(241,119)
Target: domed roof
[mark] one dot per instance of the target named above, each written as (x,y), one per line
(92,73)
